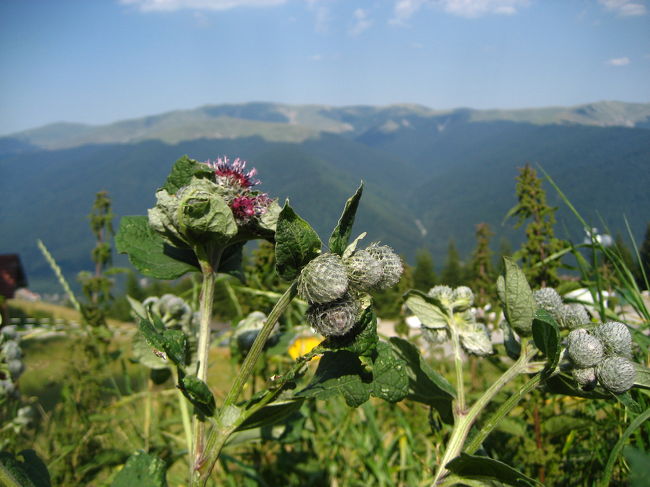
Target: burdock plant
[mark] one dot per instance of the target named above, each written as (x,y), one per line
(204,214)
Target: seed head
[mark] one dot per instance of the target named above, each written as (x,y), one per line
(391,265)
(364,270)
(615,337)
(323,279)
(616,374)
(336,318)
(584,349)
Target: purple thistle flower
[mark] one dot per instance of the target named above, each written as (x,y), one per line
(233,173)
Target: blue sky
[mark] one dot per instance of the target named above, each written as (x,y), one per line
(96,61)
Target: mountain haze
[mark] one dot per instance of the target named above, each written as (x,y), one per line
(430,175)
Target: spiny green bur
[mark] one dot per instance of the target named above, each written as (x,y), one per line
(615,337)
(584,349)
(391,265)
(323,279)
(572,315)
(585,377)
(616,374)
(548,299)
(364,270)
(336,318)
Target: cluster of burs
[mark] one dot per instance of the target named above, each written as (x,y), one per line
(598,355)
(458,316)
(11,361)
(333,285)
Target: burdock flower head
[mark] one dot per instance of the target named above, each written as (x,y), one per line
(236,187)
(218,206)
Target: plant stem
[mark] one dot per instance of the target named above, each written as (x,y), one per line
(224,426)
(459,410)
(185,416)
(203,351)
(464,423)
(488,426)
(255,351)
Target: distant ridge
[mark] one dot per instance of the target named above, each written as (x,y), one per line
(277,122)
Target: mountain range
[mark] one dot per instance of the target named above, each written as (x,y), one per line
(430,175)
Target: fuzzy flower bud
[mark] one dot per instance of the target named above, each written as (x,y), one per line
(616,374)
(463,298)
(548,299)
(335,318)
(615,337)
(586,378)
(444,294)
(584,349)
(323,279)
(364,270)
(572,315)
(391,265)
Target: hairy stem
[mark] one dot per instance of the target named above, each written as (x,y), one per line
(508,405)
(459,409)
(208,268)
(464,423)
(225,425)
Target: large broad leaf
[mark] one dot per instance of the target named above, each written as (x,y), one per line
(296,243)
(231,261)
(341,235)
(363,339)
(547,338)
(426,308)
(390,380)
(28,472)
(183,171)
(149,253)
(487,469)
(142,470)
(199,394)
(517,298)
(425,385)
(340,373)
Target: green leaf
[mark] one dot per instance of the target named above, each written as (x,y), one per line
(563,384)
(199,394)
(484,468)
(425,385)
(626,400)
(363,339)
(271,414)
(642,376)
(389,373)
(231,261)
(341,235)
(149,253)
(182,173)
(340,373)
(639,466)
(176,346)
(427,308)
(547,338)
(142,470)
(152,335)
(296,243)
(516,297)
(30,472)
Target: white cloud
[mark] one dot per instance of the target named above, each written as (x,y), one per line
(625,8)
(619,61)
(173,5)
(361,22)
(404,9)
